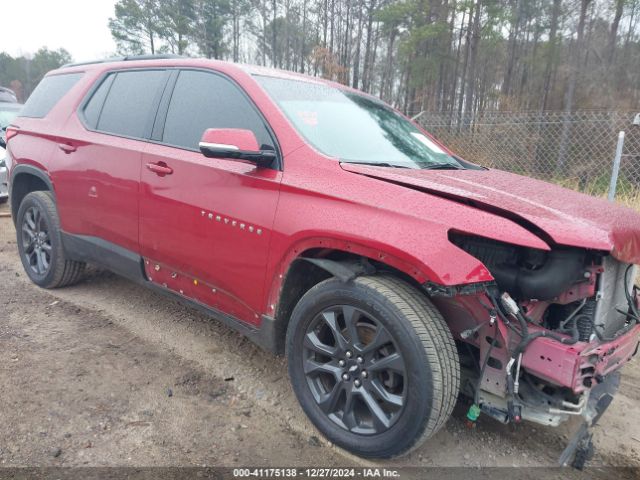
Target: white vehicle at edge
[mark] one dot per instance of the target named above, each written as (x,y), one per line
(4,186)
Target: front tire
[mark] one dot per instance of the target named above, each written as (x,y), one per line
(40,243)
(373,364)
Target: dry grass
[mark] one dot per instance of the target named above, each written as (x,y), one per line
(627,196)
(631,201)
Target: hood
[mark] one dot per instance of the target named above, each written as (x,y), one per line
(557,215)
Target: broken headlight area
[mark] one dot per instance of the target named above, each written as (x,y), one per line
(551,330)
(566,290)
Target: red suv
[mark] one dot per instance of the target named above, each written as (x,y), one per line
(322,223)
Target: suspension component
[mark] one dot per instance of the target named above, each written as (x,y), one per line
(585,320)
(516,383)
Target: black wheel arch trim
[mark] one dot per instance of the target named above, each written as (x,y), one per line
(34,171)
(343,271)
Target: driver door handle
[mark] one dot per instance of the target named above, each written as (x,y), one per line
(161,168)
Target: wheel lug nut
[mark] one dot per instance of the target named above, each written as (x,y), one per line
(364,374)
(349,354)
(345,376)
(357,383)
(342,363)
(359,359)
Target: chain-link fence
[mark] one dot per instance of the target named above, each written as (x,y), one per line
(575,150)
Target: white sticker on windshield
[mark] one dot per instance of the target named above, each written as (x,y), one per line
(430,144)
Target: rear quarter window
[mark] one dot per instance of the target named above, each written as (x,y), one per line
(49,92)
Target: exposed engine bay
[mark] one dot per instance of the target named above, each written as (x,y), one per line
(564,289)
(544,341)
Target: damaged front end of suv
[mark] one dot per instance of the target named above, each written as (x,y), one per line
(544,341)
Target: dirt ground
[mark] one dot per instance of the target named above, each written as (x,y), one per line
(107,373)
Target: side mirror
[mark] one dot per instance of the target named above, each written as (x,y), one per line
(235,143)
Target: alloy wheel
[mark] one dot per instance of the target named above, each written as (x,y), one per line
(36,241)
(354,370)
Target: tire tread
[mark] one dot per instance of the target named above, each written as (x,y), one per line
(66,272)
(437,341)
(431,335)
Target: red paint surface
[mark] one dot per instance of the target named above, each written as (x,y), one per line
(243,139)
(568,217)
(563,364)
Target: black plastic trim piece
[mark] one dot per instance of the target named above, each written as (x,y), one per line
(31,170)
(263,336)
(26,169)
(437,290)
(85,248)
(337,269)
(344,271)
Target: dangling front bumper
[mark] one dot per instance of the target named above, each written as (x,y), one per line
(582,365)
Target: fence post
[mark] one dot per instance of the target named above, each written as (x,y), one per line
(616,167)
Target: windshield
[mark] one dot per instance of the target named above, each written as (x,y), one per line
(355,128)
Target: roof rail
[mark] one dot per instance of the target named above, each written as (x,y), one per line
(123,59)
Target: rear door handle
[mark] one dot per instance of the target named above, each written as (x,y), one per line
(161,169)
(66,148)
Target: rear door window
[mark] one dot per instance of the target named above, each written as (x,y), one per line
(130,103)
(48,92)
(203,100)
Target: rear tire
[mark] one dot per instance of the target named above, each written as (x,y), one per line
(373,364)
(40,243)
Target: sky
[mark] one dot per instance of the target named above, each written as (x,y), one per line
(79,26)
